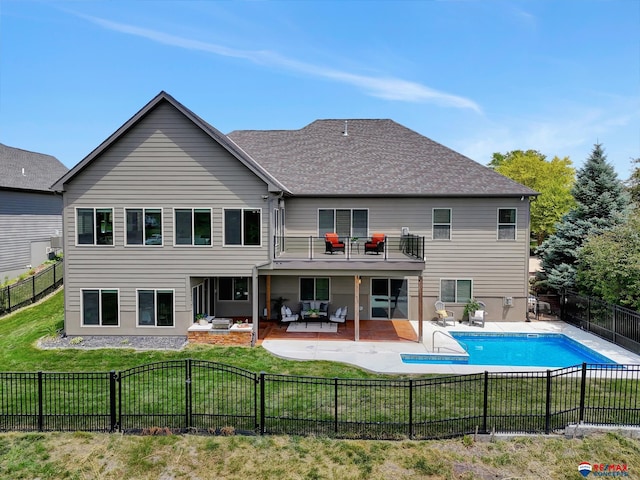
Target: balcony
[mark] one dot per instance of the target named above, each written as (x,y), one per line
(396,249)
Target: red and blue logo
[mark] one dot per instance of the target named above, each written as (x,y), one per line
(604,469)
(585,469)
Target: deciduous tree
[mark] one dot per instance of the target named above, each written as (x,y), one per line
(553,179)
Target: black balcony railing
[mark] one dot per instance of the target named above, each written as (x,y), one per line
(315,248)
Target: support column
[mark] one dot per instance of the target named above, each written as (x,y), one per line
(255,310)
(268,299)
(356,307)
(420,309)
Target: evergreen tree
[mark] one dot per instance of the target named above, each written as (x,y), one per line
(601,204)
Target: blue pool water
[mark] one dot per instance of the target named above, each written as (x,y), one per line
(514,349)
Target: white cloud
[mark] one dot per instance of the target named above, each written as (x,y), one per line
(388,88)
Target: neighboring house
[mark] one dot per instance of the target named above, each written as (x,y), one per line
(30,212)
(169,218)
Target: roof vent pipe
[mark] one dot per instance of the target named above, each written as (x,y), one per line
(346,129)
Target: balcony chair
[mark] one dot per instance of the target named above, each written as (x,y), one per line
(444,315)
(478,315)
(287,315)
(340,316)
(376,244)
(332,243)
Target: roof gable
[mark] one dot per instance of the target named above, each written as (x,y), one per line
(24,170)
(216,135)
(370,157)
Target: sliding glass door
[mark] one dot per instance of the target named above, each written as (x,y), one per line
(388,299)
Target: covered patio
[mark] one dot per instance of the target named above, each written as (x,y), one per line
(370,331)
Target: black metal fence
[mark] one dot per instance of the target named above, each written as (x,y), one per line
(32,289)
(201,396)
(617,324)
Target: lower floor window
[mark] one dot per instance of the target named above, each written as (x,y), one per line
(155,308)
(233,288)
(455,291)
(100,307)
(314,289)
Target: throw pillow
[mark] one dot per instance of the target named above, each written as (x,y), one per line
(479,313)
(442,313)
(288,312)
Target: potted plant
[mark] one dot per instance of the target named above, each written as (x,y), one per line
(471,306)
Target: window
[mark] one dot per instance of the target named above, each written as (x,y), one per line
(100,307)
(144,226)
(233,288)
(344,222)
(455,291)
(94,226)
(242,227)
(193,226)
(155,308)
(506,224)
(314,289)
(441,224)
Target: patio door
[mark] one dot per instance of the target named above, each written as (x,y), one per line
(388,299)
(200,298)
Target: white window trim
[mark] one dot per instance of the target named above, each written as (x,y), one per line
(224,228)
(233,300)
(433,224)
(143,244)
(314,289)
(99,325)
(94,244)
(193,226)
(515,225)
(334,219)
(155,295)
(456,302)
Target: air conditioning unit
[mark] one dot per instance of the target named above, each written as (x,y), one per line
(405,231)
(56,242)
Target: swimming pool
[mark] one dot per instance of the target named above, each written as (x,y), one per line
(514,349)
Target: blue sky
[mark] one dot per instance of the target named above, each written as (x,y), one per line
(478,76)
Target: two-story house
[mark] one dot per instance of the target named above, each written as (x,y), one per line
(169,218)
(30,212)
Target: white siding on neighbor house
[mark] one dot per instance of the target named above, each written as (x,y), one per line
(498,268)
(163,162)
(26,218)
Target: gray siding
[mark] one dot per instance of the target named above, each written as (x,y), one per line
(498,268)
(163,162)
(26,218)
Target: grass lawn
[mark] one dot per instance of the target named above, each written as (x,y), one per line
(82,455)
(20,331)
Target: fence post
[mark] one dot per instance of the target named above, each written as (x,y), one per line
(411,409)
(583,389)
(335,405)
(33,289)
(262,426)
(187,399)
(40,403)
(9,298)
(485,408)
(547,416)
(112,400)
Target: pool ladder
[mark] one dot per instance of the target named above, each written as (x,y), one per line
(464,346)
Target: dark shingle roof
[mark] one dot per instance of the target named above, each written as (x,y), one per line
(375,157)
(24,170)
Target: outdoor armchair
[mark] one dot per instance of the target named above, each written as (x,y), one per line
(333,243)
(444,315)
(288,315)
(478,315)
(340,316)
(376,244)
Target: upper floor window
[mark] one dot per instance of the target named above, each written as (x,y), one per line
(455,290)
(506,224)
(345,222)
(100,307)
(94,226)
(193,226)
(441,224)
(155,308)
(144,226)
(242,226)
(314,289)
(233,288)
